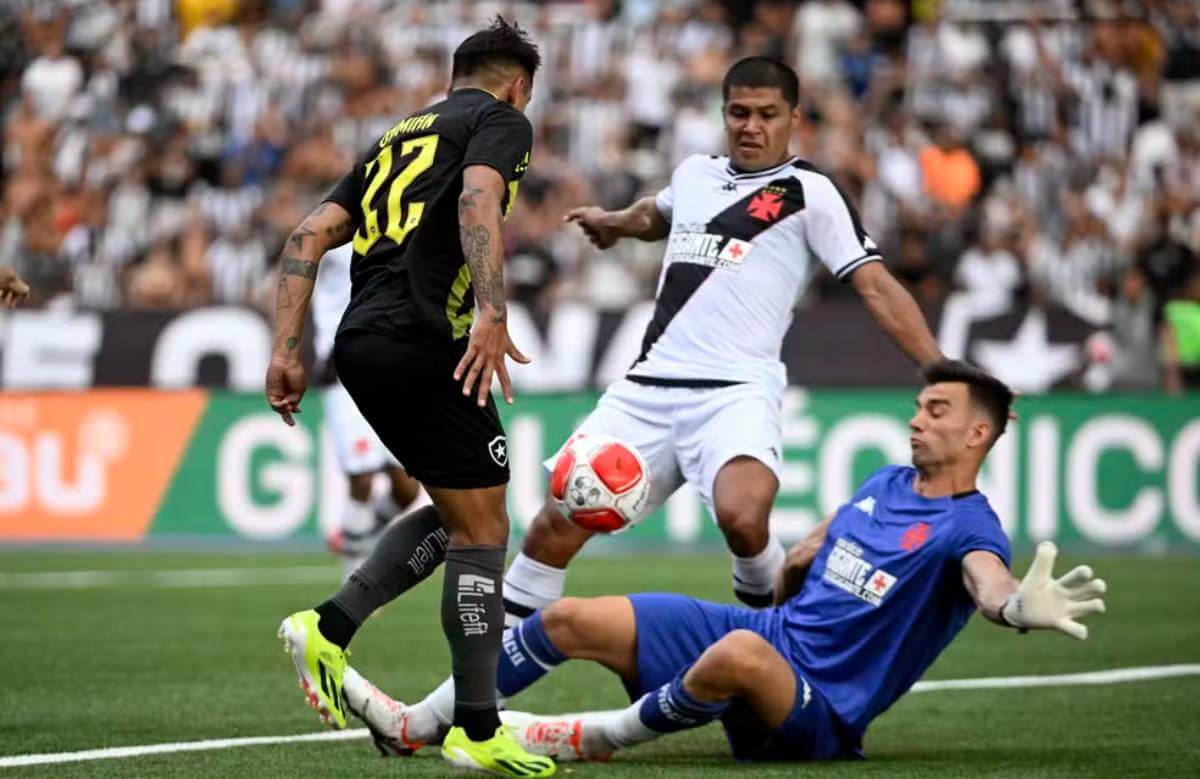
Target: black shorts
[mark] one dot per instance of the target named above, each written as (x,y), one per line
(407,392)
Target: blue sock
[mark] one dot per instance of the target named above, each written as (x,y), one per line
(670,708)
(528,654)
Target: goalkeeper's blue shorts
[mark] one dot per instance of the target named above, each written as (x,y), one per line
(674,630)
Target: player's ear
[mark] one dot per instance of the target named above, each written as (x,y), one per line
(517,94)
(979,433)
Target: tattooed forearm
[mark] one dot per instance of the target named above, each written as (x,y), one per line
(341,232)
(480,234)
(291,301)
(337,232)
(303,268)
(296,239)
(489,286)
(328,225)
(469,198)
(283,295)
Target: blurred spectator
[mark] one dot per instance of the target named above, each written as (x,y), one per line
(821,28)
(52,80)
(916,270)
(1181,339)
(158,281)
(989,271)
(1135,359)
(1072,264)
(157,152)
(950,173)
(204,13)
(236,262)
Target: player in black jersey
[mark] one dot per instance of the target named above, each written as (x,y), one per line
(424,208)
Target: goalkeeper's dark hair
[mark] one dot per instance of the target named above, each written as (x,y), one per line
(986,391)
(501,44)
(763,72)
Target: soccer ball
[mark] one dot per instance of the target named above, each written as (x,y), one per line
(601,484)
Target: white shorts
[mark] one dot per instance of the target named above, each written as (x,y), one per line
(358,449)
(689,434)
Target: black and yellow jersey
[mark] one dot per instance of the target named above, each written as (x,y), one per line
(408,277)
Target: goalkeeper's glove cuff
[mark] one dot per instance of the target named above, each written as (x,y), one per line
(1012,618)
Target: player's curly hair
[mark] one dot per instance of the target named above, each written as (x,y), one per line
(500,44)
(987,392)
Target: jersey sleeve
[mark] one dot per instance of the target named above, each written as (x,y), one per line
(834,231)
(502,140)
(981,532)
(349,191)
(664,201)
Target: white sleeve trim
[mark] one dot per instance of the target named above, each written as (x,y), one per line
(664,202)
(845,271)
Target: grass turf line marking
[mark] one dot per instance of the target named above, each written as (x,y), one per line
(1114,676)
(178,578)
(184,746)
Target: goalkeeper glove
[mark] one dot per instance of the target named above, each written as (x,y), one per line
(1041,602)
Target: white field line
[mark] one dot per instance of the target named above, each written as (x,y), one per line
(183,746)
(1113,676)
(185,577)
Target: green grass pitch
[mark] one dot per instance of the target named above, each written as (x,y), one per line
(131,665)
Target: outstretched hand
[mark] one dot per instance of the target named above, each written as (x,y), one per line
(12,288)
(489,345)
(1041,602)
(594,222)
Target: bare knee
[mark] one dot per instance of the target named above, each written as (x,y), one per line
(745,525)
(490,533)
(553,540)
(743,494)
(568,624)
(360,486)
(473,517)
(733,665)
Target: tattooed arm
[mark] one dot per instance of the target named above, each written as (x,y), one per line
(327,227)
(479,229)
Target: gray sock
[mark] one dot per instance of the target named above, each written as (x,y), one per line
(408,551)
(473,618)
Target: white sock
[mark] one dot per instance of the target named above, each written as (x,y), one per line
(616,729)
(433,715)
(358,517)
(529,586)
(754,577)
(358,520)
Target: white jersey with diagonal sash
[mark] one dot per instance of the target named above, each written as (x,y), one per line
(331,295)
(358,447)
(740,253)
(707,387)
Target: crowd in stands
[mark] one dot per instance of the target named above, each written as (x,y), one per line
(1027,152)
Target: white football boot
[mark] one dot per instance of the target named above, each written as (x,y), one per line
(386,718)
(562,738)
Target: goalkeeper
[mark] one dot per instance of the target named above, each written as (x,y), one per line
(866,603)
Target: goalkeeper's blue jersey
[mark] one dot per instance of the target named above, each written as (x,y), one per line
(885,594)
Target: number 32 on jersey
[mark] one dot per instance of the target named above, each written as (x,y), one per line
(401,217)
